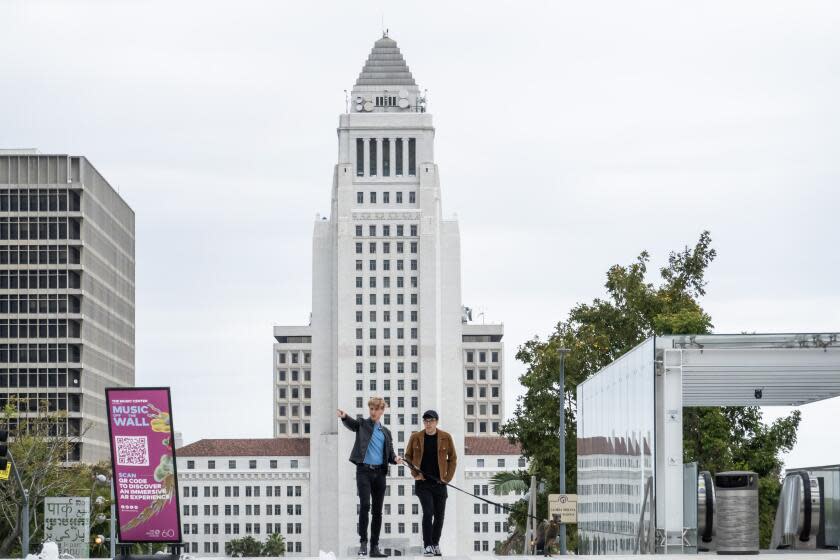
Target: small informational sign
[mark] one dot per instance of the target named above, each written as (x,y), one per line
(143,463)
(563,507)
(67,523)
(7,472)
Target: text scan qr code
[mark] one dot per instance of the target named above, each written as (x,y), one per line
(132,450)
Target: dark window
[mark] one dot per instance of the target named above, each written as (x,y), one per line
(398,156)
(372,166)
(360,157)
(386,157)
(412,156)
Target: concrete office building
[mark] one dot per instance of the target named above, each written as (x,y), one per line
(387,319)
(232,488)
(66,291)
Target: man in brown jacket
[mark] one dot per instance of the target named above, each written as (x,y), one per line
(433,452)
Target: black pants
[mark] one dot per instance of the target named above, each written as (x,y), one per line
(432,496)
(371,485)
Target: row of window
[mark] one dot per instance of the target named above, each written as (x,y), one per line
(500,462)
(32,402)
(40,303)
(39,200)
(373,145)
(294,375)
(39,279)
(484,527)
(482,374)
(386,197)
(386,386)
(482,410)
(40,353)
(252,464)
(386,284)
(386,316)
(386,333)
(233,510)
(40,254)
(385,229)
(39,328)
(40,228)
(482,356)
(386,418)
(386,299)
(386,264)
(233,491)
(386,246)
(482,392)
(386,351)
(39,377)
(233,529)
(295,428)
(482,427)
(294,357)
(295,409)
(386,368)
(294,394)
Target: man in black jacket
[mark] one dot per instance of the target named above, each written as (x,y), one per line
(372,452)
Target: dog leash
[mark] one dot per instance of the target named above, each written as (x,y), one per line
(438,480)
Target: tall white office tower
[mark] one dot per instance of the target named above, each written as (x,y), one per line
(386,319)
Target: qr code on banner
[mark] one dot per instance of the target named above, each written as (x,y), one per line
(132,450)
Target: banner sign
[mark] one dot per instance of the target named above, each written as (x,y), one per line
(67,524)
(563,507)
(143,464)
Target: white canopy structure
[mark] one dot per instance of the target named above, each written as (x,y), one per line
(631,476)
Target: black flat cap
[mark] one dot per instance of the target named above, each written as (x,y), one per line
(430,414)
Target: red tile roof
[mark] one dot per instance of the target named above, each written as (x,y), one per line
(490,446)
(266,447)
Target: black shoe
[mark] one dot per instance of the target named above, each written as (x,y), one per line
(376,553)
(363,548)
(436,548)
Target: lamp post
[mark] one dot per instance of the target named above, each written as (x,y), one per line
(102,479)
(562,352)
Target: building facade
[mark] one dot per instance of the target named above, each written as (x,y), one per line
(232,488)
(387,319)
(66,292)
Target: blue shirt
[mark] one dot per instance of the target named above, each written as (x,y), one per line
(376,446)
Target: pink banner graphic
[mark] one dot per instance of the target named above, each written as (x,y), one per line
(143,465)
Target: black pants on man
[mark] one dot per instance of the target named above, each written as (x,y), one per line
(371,485)
(432,496)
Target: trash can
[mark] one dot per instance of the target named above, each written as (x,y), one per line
(736,525)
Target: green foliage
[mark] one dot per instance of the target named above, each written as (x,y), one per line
(247,547)
(274,545)
(40,447)
(599,332)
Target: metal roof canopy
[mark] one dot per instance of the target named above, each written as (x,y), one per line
(753,369)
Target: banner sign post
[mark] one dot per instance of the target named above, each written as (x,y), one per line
(67,523)
(143,464)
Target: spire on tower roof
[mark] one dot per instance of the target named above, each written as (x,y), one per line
(385,66)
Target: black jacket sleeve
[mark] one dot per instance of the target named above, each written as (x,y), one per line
(392,458)
(350,423)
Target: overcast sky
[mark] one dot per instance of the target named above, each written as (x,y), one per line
(570,136)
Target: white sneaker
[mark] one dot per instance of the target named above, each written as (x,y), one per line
(429,551)
(436,549)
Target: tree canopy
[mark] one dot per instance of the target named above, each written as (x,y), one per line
(598,333)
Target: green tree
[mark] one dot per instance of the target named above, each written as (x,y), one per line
(40,446)
(247,546)
(274,545)
(599,332)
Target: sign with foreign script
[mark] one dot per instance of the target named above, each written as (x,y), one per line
(143,464)
(563,506)
(67,523)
